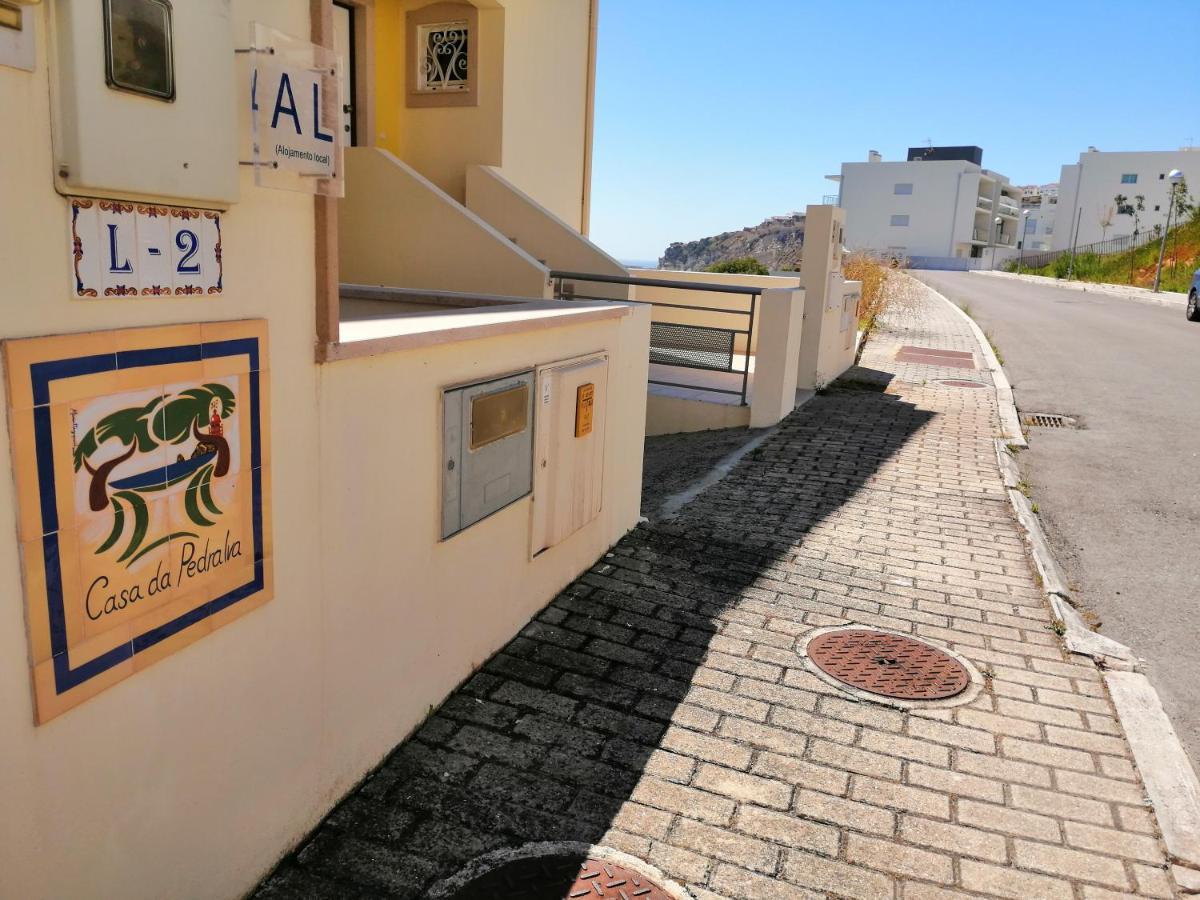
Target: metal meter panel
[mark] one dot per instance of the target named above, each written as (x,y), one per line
(487,449)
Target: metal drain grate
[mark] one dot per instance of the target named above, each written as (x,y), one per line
(559,878)
(961,383)
(888,664)
(1049,420)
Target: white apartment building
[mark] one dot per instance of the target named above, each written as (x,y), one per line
(940,202)
(1039,204)
(1088,190)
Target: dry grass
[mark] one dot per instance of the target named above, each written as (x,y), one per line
(883,287)
(874,277)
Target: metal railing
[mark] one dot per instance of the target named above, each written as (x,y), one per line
(831,199)
(983,202)
(1112,245)
(681,344)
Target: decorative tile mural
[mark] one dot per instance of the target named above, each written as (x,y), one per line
(126,249)
(143,488)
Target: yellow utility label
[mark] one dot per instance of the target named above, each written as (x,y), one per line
(585,400)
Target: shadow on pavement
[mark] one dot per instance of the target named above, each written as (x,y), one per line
(569,721)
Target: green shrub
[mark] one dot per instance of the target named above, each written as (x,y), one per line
(747,265)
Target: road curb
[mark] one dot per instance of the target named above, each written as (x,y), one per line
(1169,299)
(1010,422)
(1167,773)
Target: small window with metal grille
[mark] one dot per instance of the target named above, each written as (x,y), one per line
(444,60)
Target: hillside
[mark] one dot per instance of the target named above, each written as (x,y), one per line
(776,243)
(1179,262)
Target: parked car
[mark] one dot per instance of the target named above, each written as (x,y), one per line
(1193,307)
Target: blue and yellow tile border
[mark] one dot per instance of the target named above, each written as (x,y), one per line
(69,666)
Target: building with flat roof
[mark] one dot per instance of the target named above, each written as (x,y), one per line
(1089,192)
(1039,206)
(940,202)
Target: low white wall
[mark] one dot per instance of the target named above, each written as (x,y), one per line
(406,617)
(667,414)
(775,364)
(828,342)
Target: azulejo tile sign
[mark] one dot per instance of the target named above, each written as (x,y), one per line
(127,249)
(143,488)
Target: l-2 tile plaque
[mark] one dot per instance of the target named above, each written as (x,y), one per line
(127,249)
(143,486)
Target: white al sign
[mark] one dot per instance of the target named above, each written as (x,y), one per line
(296,110)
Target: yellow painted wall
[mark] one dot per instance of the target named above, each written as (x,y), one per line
(529,125)
(192,777)
(439,142)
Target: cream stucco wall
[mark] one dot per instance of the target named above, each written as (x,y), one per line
(546,84)
(539,232)
(192,777)
(398,229)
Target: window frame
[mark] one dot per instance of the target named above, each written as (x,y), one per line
(894,224)
(110,63)
(902,184)
(1129,178)
(418,23)
(424,32)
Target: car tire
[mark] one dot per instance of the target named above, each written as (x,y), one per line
(1193,307)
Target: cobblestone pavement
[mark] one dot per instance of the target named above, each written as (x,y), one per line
(659,706)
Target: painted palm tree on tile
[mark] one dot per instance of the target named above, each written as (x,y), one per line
(195,413)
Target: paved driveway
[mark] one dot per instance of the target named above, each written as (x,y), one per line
(1121,498)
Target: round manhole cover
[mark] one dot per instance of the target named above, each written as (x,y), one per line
(888,664)
(962,383)
(561,878)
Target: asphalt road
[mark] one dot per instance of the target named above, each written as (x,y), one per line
(1120,498)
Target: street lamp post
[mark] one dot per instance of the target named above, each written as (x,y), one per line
(995,238)
(1021,239)
(1175,177)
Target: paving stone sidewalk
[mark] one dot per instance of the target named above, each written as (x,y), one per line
(659,705)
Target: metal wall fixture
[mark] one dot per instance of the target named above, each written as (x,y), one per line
(1049,420)
(487,448)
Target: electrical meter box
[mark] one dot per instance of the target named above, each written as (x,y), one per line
(487,442)
(144,99)
(568,486)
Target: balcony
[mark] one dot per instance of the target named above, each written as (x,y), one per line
(983,203)
(1007,209)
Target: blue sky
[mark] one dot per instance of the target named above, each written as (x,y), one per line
(714,114)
